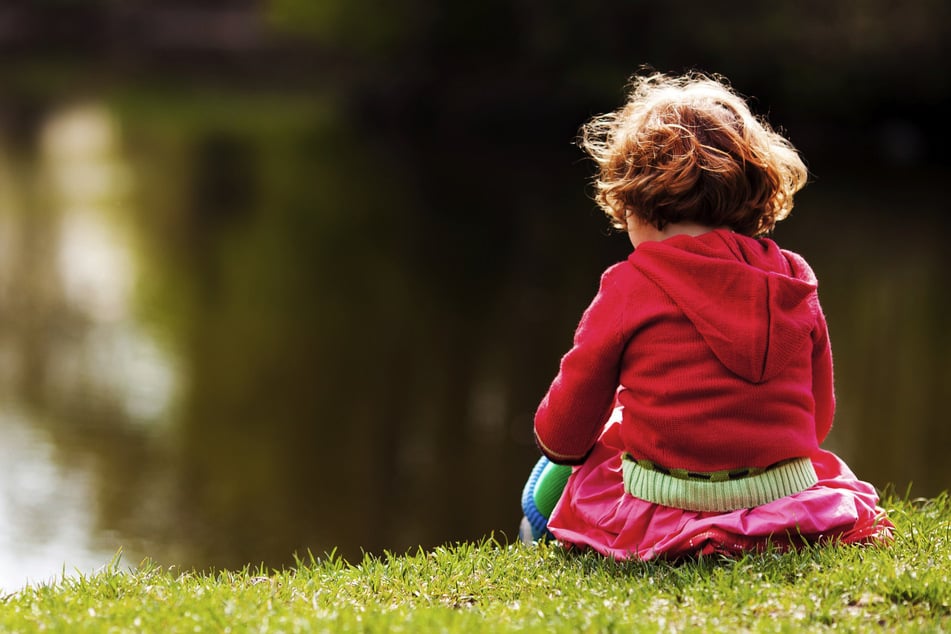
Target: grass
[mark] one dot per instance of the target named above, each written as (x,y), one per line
(492,586)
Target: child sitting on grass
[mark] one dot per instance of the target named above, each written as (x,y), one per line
(699,387)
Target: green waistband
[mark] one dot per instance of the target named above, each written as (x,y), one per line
(720,491)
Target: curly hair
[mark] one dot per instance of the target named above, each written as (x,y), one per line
(688,149)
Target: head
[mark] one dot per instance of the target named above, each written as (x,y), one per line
(688,149)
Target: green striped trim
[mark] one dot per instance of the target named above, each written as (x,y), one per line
(719,491)
(706,476)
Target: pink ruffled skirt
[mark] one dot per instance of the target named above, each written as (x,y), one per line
(595,511)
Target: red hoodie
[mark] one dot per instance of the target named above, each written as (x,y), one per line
(715,346)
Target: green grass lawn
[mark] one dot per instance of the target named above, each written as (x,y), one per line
(492,586)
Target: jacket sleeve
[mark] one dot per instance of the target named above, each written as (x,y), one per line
(581,397)
(822,380)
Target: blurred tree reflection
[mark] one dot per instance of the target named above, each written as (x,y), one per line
(342,321)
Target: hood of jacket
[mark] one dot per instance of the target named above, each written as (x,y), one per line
(754,304)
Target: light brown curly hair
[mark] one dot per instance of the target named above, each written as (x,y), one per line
(688,149)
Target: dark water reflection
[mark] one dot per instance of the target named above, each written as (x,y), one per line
(231,332)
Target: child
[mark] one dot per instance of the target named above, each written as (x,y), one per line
(699,386)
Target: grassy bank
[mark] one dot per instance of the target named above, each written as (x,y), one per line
(490,586)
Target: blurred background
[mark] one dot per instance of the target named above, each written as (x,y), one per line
(293,275)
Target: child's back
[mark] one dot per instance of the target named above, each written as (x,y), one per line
(706,348)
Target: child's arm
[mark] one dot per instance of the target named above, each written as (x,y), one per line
(581,397)
(822,381)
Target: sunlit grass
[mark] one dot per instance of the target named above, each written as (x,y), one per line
(491,586)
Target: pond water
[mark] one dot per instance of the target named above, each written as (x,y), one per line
(232,331)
